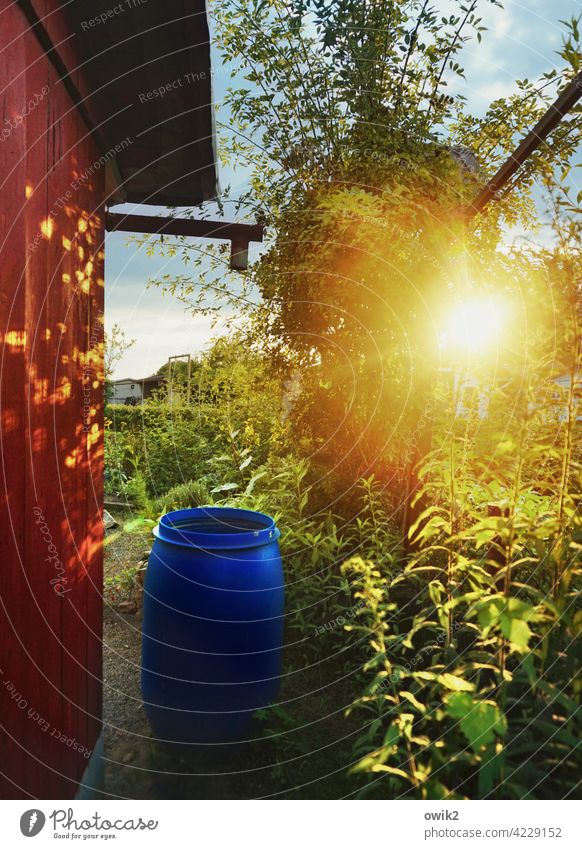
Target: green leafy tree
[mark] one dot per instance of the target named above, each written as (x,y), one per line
(354,145)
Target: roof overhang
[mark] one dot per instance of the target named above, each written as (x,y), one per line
(140,76)
(149,76)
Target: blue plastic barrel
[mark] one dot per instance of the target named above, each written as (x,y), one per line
(212,623)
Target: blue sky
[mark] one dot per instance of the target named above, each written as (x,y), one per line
(521,42)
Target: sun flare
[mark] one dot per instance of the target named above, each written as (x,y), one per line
(474,326)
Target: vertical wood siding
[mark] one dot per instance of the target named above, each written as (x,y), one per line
(51,450)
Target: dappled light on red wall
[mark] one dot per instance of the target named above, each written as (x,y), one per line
(51,376)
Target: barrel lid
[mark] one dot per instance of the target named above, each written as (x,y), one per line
(217,528)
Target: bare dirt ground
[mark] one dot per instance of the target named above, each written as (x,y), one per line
(126,730)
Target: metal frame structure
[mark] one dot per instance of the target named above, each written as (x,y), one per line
(179,358)
(547,123)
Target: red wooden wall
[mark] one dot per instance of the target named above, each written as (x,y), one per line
(51,323)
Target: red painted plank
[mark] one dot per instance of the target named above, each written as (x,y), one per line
(51,575)
(12,377)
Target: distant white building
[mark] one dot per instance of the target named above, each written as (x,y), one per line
(132,390)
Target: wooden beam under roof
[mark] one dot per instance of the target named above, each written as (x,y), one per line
(239,235)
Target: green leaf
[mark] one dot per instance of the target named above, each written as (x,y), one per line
(410,697)
(479,721)
(517,632)
(392,770)
(253,481)
(225,487)
(392,736)
(453,682)
(511,616)
(489,771)
(246,462)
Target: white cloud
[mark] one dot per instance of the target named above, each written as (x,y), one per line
(159,335)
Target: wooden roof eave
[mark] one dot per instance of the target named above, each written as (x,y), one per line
(158,145)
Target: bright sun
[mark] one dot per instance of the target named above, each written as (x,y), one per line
(474,326)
